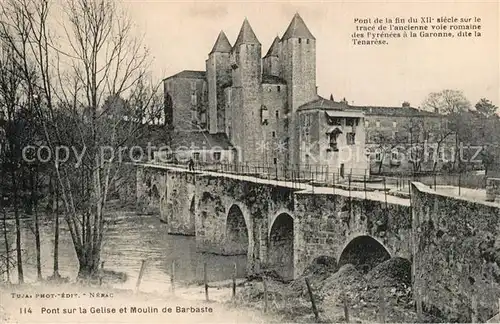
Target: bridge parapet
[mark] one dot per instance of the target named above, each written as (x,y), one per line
(456,251)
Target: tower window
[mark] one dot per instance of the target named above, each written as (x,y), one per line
(279,88)
(350,138)
(307,41)
(300,40)
(274,134)
(277,114)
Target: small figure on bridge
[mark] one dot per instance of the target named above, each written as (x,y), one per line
(191,164)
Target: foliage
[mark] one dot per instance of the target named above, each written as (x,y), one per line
(447,102)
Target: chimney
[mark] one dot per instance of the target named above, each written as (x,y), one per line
(436,110)
(406,104)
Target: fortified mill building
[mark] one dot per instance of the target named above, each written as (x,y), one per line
(264,109)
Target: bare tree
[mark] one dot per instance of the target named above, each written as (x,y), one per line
(386,144)
(455,106)
(446,102)
(77,105)
(7,259)
(10,88)
(108,63)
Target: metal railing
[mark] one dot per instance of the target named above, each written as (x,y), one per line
(315,174)
(350,179)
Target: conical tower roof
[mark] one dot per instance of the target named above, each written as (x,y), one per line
(222,44)
(274,49)
(246,35)
(297,29)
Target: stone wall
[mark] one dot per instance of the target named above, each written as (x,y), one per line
(218,75)
(178,208)
(326,223)
(180,89)
(169,195)
(258,203)
(456,254)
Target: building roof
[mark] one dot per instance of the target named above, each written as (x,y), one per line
(222,44)
(199,140)
(393,111)
(188,74)
(271,79)
(297,29)
(246,35)
(274,49)
(323,104)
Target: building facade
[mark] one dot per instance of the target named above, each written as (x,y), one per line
(261,103)
(406,139)
(333,132)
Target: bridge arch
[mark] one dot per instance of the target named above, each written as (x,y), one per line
(281,245)
(364,252)
(237,235)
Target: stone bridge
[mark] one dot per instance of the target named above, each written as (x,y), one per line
(279,225)
(452,242)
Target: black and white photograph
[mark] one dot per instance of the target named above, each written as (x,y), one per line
(249,161)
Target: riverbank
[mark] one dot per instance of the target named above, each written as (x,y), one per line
(383,294)
(74,303)
(133,239)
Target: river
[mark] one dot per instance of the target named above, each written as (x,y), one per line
(129,238)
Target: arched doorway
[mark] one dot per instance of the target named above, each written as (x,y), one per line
(236,233)
(281,246)
(364,252)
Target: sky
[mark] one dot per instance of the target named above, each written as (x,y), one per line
(181,34)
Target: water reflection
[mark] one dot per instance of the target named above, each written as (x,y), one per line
(129,238)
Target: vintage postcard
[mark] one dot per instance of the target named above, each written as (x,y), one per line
(249,162)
